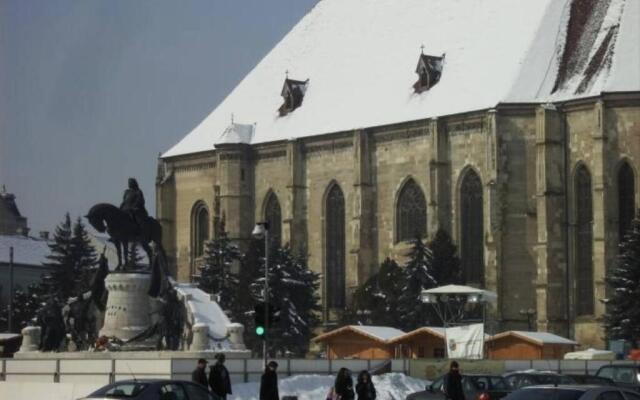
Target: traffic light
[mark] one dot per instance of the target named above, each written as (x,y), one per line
(261,325)
(258,318)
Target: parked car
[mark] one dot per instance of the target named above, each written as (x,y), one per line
(520,379)
(623,375)
(153,389)
(573,392)
(475,387)
(591,380)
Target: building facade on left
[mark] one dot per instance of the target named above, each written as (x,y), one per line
(29,252)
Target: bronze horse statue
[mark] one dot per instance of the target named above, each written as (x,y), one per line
(123,229)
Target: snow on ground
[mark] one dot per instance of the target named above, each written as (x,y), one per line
(313,387)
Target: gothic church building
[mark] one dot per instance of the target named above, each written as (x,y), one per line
(512,124)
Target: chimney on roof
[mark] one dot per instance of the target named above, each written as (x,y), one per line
(44,235)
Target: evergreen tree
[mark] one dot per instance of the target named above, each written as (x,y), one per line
(418,275)
(71,260)
(63,278)
(622,319)
(26,304)
(217,275)
(446,264)
(293,288)
(376,301)
(84,257)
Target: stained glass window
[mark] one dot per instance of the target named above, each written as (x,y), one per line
(335,248)
(472,228)
(584,242)
(411,213)
(200,229)
(626,199)
(273,216)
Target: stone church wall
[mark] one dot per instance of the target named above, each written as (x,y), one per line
(517,267)
(518,151)
(191,181)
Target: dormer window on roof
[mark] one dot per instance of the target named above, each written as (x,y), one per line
(293,92)
(429,70)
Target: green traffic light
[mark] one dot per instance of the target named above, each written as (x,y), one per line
(259,330)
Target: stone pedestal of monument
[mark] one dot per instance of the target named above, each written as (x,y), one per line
(128,310)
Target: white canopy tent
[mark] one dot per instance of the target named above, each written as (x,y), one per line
(466,340)
(474,295)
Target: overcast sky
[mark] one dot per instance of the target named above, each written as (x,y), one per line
(91,91)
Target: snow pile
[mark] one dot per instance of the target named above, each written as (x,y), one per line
(313,387)
(202,310)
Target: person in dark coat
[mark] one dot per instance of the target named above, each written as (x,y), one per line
(199,375)
(344,385)
(452,383)
(269,383)
(219,378)
(364,388)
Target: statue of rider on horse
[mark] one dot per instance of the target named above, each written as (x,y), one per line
(127,224)
(133,203)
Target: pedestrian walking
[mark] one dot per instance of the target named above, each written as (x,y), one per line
(343,387)
(269,382)
(199,375)
(364,388)
(452,383)
(219,378)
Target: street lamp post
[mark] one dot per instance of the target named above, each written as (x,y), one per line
(259,231)
(10,318)
(529,313)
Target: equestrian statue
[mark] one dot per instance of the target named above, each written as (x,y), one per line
(127,224)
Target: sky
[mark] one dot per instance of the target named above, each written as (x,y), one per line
(91,91)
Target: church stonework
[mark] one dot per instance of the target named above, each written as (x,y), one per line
(546,176)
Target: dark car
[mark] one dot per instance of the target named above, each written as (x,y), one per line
(623,375)
(591,380)
(153,389)
(573,392)
(520,379)
(475,387)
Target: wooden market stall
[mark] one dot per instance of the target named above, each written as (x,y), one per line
(360,342)
(425,342)
(523,345)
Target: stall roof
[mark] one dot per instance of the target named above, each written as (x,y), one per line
(432,330)
(383,334)
(539,338)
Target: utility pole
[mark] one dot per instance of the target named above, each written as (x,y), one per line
(10,324)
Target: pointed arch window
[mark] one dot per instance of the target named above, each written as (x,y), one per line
(584,242)
(411,212)
(335,248)
(273,215)
(626,199)
(200,229)
(472,228)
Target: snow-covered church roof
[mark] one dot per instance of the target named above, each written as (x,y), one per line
(359,57)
